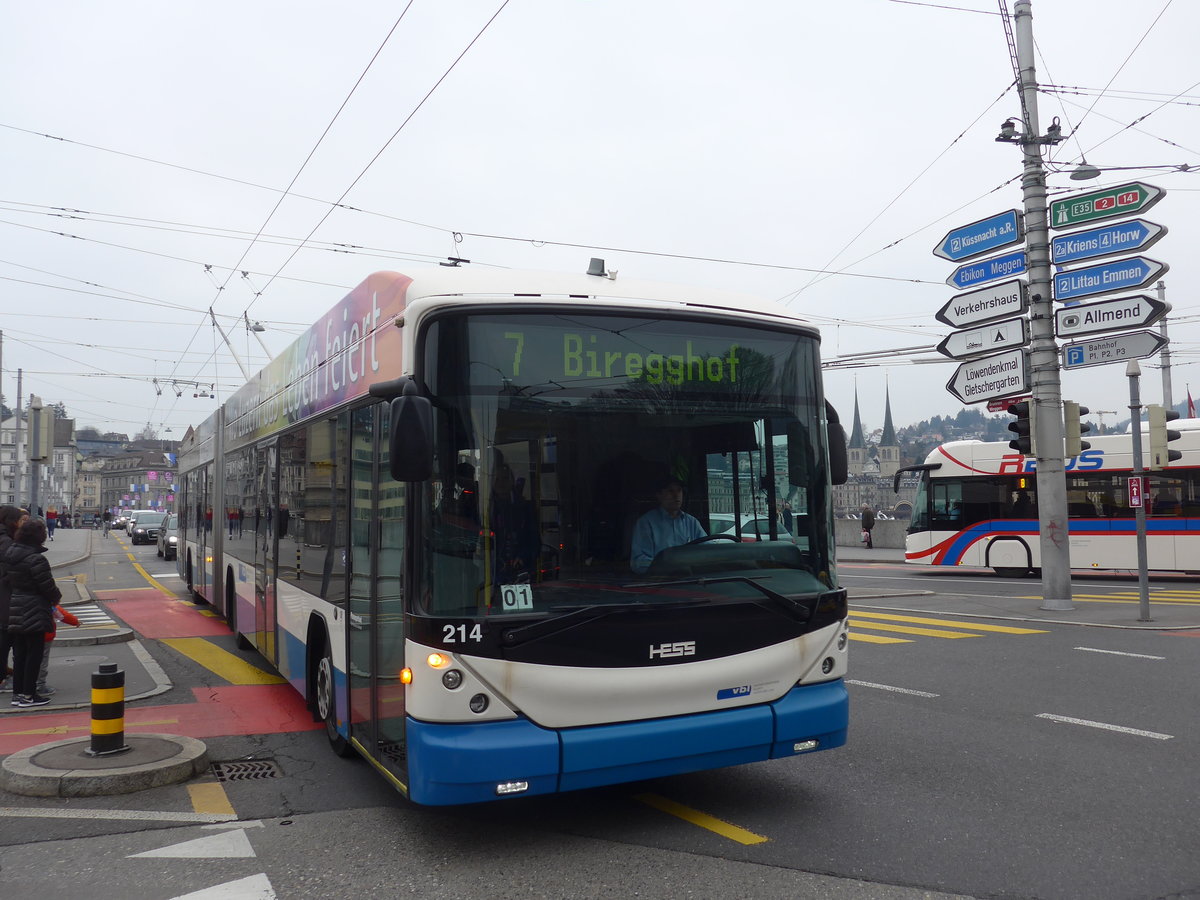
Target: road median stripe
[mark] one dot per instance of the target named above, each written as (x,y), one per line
(908,629)
(704,820)
(918,620)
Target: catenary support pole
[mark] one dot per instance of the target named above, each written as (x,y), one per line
(1045,381)
(1134,371)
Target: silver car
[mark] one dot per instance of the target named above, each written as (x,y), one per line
(168,537)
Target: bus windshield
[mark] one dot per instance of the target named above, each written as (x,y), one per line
(557,432)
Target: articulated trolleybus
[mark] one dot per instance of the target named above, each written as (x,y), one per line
(977,506)
(422,515)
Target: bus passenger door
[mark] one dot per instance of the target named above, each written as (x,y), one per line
(264,553)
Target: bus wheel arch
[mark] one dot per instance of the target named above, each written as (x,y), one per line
(322,686)
(1005,556)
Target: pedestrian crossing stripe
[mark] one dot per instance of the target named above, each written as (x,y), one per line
(92,616)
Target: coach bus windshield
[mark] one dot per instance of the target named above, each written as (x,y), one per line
(556,433)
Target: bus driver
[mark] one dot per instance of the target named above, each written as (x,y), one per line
(667,525)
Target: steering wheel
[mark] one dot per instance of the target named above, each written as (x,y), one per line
(714,537)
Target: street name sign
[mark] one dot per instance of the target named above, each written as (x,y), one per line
(984,236)
(986,270)
(1126,274)
(999,301)
(986,339)
(990,377)
(1113,349)
(1109,203)
(1107,240)
(1108,315)
(1003,405)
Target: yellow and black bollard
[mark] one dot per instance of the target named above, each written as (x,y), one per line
(108,712)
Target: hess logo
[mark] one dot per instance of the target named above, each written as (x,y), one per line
(670,650)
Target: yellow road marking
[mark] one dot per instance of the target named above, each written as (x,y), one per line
(65,729)
(1002,629)
(908,629)
(153,581)
(695,817)
(877,639)
(210,797)
(229,666)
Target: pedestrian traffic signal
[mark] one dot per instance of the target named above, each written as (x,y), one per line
(1160,435)
(1023,427)
(1074,429)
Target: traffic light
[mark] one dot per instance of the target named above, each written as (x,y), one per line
(1024,427)
(1160,435)
(1074,429)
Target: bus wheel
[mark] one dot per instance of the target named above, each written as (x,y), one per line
(327,706)
(1011,571)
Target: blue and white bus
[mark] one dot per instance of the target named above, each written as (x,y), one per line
(977,505)
(421,515)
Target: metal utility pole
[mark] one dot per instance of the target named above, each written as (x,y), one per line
(1165,355)
(1134,371)
(1045,381)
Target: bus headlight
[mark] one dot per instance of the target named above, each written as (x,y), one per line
(478,703)
(452,679)
(827,665)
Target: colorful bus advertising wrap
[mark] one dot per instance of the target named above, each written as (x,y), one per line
(334,361)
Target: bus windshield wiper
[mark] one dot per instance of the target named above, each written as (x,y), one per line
(799,610)
(579,615)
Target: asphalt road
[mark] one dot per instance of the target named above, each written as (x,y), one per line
(1049,761)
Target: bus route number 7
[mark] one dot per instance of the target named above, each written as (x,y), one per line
(519,337)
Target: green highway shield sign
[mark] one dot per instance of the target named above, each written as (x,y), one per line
(1122,200)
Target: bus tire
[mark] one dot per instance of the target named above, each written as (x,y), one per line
(326,704)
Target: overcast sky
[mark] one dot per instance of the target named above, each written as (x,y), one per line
(749,146)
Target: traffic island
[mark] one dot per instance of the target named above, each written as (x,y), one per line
(65,768)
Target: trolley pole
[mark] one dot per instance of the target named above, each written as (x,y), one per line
(1045,381)
(1134,371)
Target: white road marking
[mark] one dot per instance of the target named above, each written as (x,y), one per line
(1121,728)
(1120,653)
(255,887)
(888,687)
(224,845)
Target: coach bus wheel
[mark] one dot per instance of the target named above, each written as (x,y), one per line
(1011,571)
(327,706)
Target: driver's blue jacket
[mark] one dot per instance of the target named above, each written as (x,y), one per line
(656,531)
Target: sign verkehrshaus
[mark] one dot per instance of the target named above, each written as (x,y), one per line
(1108,315)
(986,339)
(1107,240)
(986,270)
(990,377)
(984,236)
(1115,348)
(1123,200)
(997,301)
(1106,278)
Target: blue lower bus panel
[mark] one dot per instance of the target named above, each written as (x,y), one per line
(449,764)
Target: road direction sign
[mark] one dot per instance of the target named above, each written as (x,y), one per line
(990,377)
(1115,348)
(1107,240)
(986,339)
(1108,315)
(984,236)
(985,270)
(1126,274)
(999,301)
(1122,200)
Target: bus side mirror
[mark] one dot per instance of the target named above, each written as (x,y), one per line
(410,448)
(839,464)
(410,443)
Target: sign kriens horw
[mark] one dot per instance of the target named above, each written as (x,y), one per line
(989,377)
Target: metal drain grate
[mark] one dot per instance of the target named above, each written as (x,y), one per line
(248,770)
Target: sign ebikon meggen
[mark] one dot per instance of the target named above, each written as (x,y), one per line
(986,270)
(1122,200)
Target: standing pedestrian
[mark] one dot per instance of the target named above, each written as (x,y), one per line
(51,520)
(34,596)
(10,518)
(868,522)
